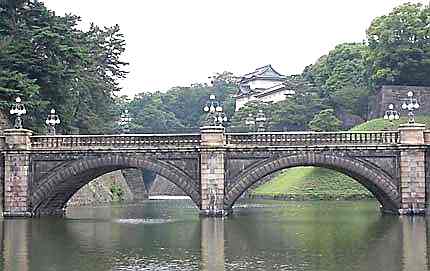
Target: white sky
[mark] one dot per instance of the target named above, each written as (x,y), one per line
(176,43)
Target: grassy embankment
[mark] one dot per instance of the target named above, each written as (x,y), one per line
(312,183)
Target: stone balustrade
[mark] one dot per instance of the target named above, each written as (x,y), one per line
(192,140)
(114,141)
(427,137)
(313,138)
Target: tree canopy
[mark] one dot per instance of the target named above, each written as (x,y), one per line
(325,121)
(399,46)
(50,63)
(180,109)
(343,66)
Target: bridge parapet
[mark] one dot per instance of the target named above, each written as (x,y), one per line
(61,142)
(2,142)
(313,138)
(427,137)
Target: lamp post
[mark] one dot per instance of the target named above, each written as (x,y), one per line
(411,104)
(250,122)
(124,121)
(391,114)
(215,116)
(260,120)
(18,109)
(52,120)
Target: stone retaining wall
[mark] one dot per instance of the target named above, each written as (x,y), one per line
(98,190)
(396,95)
(162,186)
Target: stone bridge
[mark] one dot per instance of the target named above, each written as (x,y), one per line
(39,174)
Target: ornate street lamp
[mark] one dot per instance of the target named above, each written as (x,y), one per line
(52,120)
(18,109)
(250,122)
(260,120)
(411,104)
(391,114)
(215,116)
(124,122)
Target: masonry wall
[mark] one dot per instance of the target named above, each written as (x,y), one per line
(413,180)
(1,185)
(98,191)
(4,122)
(395,95)
(162,186)
(135,180)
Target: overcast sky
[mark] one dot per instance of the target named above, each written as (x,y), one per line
(176,43)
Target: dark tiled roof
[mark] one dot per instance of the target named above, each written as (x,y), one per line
(265,72)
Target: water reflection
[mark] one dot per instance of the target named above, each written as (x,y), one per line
(294,236)
(14,245)
(212,238)
(415,243)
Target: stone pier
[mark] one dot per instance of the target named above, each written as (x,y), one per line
(212,171)
(412,169)
(16,173)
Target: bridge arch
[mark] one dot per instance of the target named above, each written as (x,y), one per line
(379,183)
(55,189)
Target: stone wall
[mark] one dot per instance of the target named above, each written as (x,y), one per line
(396,95)
(135,181)
(413,181)
(98,190)
(4,122)
(162,186)
(1,185)
(131,182)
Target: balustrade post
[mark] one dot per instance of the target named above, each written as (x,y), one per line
(212,176)
(17,173)
(412,169)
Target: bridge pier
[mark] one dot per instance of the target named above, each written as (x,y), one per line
(16,173)
(212,171)
(412,169)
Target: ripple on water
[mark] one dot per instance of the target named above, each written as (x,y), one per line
(143,221)
(152,264)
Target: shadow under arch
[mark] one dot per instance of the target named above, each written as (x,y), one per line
(379,183)
(55,189)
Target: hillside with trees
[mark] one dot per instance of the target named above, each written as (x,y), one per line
(50,63)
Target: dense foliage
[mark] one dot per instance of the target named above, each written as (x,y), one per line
(325,121)
(399,46)
(180,109)
(50,63)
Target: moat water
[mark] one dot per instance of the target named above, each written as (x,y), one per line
(261,235)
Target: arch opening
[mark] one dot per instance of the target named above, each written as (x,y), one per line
(56,189)
(375,180)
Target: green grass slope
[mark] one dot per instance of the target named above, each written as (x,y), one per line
(381,124)
(312,183)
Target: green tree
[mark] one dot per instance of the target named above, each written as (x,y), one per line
(399,46)
(325,121)
(47,61)
(180,109)
(238,121)
(343,66)
(294,113)
(353,100)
